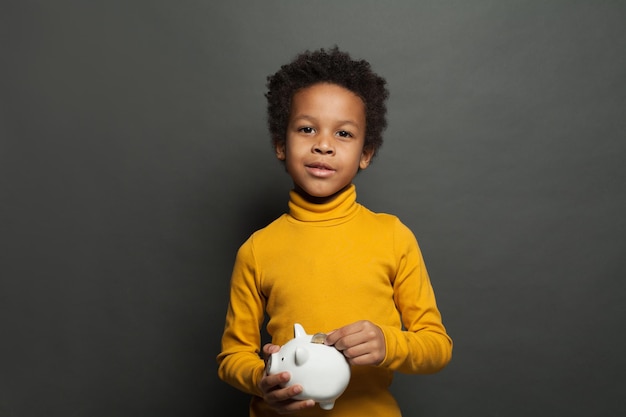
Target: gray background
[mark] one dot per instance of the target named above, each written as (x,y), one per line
(134,160)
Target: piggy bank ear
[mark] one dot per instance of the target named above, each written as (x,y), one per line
(302,355)
(298,330)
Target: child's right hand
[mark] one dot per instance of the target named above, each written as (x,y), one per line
(280,399)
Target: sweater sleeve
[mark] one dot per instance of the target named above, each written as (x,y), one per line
(239,363)
(423,345)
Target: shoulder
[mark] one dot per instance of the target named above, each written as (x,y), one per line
(270,231)
(260,238)
(391,220)
(389,223)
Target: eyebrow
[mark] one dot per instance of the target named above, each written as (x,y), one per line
(340,122)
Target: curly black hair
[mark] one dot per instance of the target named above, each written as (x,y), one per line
(327,66)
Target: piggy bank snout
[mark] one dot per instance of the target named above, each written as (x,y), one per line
(272,364)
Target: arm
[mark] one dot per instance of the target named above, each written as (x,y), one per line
(239,363)
(423,346)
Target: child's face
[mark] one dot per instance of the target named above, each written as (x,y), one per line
(324,150)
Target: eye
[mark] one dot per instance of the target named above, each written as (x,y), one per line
(345,134)
(306,129)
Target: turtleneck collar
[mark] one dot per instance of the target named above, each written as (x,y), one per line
(342,208)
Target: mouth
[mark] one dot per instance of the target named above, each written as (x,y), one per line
(319,169)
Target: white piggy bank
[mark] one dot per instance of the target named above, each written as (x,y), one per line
(321,370)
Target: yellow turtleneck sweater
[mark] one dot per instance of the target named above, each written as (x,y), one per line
(325,266)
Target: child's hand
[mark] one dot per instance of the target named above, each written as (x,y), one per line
(280,399)
(362,342)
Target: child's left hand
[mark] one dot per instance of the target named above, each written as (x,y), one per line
(362,342)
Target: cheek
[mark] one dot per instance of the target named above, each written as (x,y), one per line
(296,151)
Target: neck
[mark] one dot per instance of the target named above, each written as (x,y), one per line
(322,199)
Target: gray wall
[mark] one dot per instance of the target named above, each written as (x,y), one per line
(134,160)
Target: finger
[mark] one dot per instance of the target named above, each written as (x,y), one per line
(367,359)
(350,340)
(284,394)
(332,337)
(273,382)
(282,399)
(370,353)
(354,351)
(335,335)
(268,350)
(292,406)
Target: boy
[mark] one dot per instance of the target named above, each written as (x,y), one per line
(330,263)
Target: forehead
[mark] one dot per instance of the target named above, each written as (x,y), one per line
(327,98)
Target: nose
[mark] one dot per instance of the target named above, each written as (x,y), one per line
(323,146)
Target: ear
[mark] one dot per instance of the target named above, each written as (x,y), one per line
(301,355)
(366,157)
(298,330)
(279,148)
